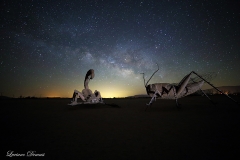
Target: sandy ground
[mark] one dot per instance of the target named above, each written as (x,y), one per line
(199,130)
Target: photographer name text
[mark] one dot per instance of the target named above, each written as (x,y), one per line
(27,154)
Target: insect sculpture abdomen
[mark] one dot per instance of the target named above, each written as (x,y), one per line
(190,89)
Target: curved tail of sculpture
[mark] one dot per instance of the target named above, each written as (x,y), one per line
(90,75)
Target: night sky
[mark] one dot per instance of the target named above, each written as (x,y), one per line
(47,47)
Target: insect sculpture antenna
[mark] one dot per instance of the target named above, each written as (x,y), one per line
(152,76)
(143,79)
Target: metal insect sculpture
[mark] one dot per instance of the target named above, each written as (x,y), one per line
(185,87)
(86,95)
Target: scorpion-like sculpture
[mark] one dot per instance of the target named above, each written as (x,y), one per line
(86,95)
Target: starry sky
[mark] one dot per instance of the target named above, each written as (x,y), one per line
(47,47)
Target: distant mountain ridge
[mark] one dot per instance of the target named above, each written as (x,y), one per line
(224,89)
(138,96)
(4,97)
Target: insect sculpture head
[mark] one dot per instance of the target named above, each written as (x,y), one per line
(150,88)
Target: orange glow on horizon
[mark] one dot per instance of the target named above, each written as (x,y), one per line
(108,95)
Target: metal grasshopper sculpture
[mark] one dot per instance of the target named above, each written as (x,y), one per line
(185,87)
(86,95)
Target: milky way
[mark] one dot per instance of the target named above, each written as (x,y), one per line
(48,46)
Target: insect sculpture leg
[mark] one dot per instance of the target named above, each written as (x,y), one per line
(208,97)
(181,86)
(216,88)
(183,83)
(205,94)
(153,98)
(175,95)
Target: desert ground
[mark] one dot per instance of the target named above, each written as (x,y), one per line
(199,130)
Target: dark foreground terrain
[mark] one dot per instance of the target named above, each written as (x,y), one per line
(49,127)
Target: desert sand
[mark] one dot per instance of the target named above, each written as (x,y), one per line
(199,130)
